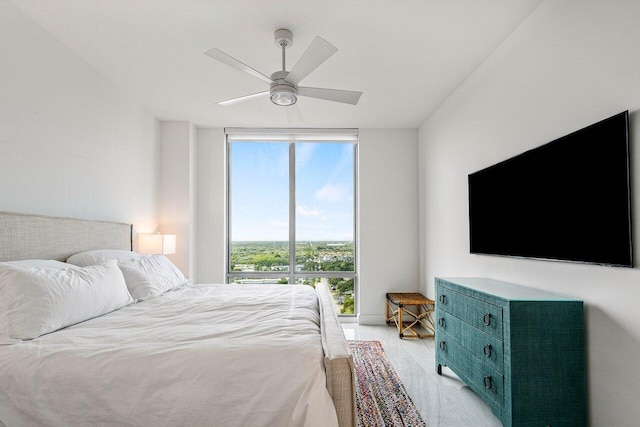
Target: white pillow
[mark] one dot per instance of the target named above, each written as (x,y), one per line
(84,259)
(150,276)
(40,263)
(35,302)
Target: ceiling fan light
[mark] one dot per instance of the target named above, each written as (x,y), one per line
(283,97)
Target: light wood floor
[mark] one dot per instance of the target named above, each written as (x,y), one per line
(443,401)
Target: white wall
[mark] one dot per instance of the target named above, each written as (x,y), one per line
(71,143)
(211,210)
(388,214)
(388,218)
(570,64)
(176,197)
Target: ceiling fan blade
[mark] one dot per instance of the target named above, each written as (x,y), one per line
(233,62)
(294,116)
(243,98)
(318,51)
(344,96)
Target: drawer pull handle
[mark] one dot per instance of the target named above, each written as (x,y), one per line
(443,346)
(488,383)
(441,322)
(443,299)
(486,319)
(487,350)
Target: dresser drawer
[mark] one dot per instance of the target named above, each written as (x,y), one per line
(484,347)
(487,382)
(479,314)
(481,378)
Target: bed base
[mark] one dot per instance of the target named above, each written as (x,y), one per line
(338,360)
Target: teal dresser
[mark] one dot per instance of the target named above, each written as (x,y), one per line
(520,349)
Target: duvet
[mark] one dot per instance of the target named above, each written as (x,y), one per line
(214,355)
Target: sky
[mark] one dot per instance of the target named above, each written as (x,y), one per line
(260,191)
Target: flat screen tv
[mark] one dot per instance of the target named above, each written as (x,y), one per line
(567,200)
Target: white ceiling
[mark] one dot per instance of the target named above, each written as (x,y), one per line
(407,56)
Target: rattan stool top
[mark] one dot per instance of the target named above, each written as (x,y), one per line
(408,298)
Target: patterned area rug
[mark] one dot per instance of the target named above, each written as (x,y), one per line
(382,400)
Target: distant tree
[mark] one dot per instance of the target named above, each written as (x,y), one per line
(334,281)
(348,305)
(310,265)
(345,286)
(337,265)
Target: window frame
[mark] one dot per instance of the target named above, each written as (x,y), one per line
(291,137)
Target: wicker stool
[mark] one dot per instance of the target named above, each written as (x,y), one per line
(421,316)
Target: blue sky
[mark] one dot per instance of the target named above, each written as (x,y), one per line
(260,191)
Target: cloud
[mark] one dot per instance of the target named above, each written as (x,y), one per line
(304,152)
(331,193)
(304,211)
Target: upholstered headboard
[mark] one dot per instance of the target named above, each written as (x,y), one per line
(24,236)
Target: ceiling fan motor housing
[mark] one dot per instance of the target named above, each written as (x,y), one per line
(282,92)
(283,37)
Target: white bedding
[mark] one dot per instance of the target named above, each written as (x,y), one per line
(217,355)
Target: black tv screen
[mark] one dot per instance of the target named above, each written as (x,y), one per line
(566,200)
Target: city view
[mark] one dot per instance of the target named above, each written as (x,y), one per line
(319,208)
(272,258)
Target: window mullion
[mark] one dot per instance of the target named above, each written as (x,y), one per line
(229,211)
(292,212)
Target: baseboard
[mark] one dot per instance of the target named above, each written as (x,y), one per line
(372,319)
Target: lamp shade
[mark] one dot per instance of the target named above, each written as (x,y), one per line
(157,244)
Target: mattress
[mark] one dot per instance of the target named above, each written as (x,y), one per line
(214,355)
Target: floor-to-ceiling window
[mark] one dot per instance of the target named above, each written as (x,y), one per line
(291,209)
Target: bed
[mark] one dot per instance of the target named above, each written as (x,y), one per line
(219,355)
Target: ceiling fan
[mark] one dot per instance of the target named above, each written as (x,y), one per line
(283,85)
